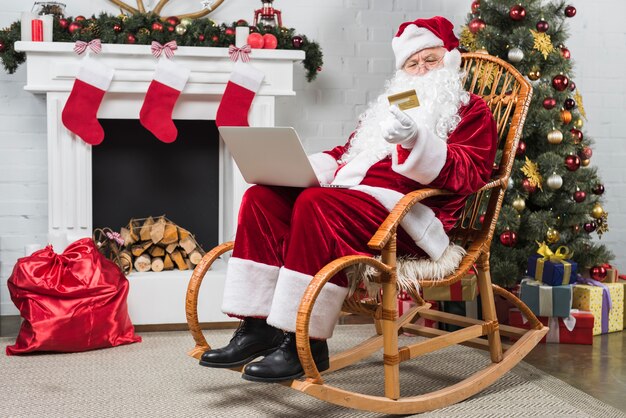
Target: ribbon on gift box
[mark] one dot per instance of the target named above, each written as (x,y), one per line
(559,257)
(545,297)
(607,303)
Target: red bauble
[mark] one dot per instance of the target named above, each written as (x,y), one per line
(481,219)
(215,38)
(2,46)
(475,6)
(476,25)
(172,20)
(157,27)
(598,273)
(73,27)
(269,41)
(572,86)
(589,226)
(528,187)
(549,103)
(517,12)
(171,28)
(569,103)
(79,18)
(542,26)
(577,135)
(201,38)
(521,149)
(229,31)
(570,11)
(117,28)
(560,82)
(599,189)
(63,23)
(319,69)
(580,196)
(297,41)
(585,153)
(572,162)
(130,38)
(242,22)
(255,40)
(508,238)
(565,52)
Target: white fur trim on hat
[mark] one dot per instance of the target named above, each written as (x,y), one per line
(412,40)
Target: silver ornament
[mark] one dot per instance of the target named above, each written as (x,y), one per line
(181,29)
(554,181)
(555,137)
(516,55)
(510,185)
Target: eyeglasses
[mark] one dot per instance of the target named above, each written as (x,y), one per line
(429,63)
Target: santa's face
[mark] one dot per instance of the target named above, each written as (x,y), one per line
(423,61)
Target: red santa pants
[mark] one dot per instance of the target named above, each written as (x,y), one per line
(284,237)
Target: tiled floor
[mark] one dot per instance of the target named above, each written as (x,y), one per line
(599,370)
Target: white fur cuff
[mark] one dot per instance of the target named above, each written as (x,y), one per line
(249,288)
(324,166)
(289,290)
(425,160)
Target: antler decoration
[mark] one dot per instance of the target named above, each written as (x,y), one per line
(161,4)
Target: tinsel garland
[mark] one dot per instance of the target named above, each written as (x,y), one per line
(138,29)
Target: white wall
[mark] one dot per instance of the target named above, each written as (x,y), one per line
(355,38)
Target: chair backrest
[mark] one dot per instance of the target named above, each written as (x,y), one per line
(508,95)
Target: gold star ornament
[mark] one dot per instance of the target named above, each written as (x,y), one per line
(543,43)
(531,170)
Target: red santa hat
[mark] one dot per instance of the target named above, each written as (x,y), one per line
(420,34)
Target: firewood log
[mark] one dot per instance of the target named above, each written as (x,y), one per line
(143,263)
(188,244)
(133,228)
(140,248)
(158,230)
(171,247)
(183,233)
(156,251)
(178,258)
(170,234)
(195,257)
(144,232)
(127,236)
(127,261)
(168,264)
(157,264)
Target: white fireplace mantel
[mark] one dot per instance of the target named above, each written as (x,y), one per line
(52,68)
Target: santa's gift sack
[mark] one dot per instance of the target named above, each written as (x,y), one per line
(74,301)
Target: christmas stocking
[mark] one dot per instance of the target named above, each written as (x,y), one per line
(80,112)
(243,84)
(156,113)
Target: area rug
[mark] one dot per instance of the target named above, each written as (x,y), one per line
(156,378)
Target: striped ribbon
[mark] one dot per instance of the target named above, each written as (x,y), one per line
(115,236)
(167,49)
(236,53)
(94,45)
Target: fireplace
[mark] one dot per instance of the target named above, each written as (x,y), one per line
(154,298)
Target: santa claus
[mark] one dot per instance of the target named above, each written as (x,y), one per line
(286,235)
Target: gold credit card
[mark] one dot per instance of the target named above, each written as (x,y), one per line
(405,100)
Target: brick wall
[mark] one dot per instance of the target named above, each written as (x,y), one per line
(355,38)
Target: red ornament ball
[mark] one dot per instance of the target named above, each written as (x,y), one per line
(63,23)
(157,27)
(215,38)
(542,26)
(79,18)
(598,273)
(2,46)
(229,31)
(570,11)
(481,219)
(73,27)
(130,38)
(560,82)
(297,41)
(319,69)
(569,103)
(517,12)
(577,135)
(117,28)
(201,38)
(255,40)
(269,41)
(549,103)
(171,28)
(579,196)
(242,22)
(572,86)
(565,53)
(599,189)
(476,25)
(475,6)
(589,227)
(172,20)
(521,149)
(572,162)
(508,238)
(528,186)
(585,153)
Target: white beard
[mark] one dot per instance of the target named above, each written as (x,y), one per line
(440,93)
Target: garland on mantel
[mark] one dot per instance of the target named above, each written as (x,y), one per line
(144,28)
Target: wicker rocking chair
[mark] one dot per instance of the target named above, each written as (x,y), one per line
(508,95)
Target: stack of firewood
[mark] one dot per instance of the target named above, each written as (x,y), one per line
(157,244)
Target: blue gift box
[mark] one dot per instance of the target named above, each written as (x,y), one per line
(551,272)
(546,300)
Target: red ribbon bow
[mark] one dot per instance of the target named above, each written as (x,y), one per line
(236,53)
(169,48)
(94,45)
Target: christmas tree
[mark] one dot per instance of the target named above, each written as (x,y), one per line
(554,195)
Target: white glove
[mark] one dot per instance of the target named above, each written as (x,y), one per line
(399,128)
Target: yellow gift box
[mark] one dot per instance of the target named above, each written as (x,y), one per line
(623,283)
(463,290)
(589,298)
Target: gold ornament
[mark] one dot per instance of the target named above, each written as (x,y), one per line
(585,163)
(122,17)
(553,236)
(578,123)
(468,39)
(143,31)
(181,29)
(519,204)
(534,74)
(555,137)
(186,21)
(531,170)
(543,43)
(579,103)
(597,211)
(603,224)
(566,116)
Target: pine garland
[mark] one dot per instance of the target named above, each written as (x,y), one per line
(139,28)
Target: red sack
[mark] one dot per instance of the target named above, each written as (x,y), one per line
(75,301)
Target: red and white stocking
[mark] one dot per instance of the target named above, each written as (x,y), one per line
(80,112)
(244,83)
(156,113)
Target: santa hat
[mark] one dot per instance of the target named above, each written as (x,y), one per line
(420,34)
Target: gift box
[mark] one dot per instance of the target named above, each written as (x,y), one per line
(463,290)
(552,268)
(612,275)
(546,300)
(405,303)
(605,301)
(576,329)
(623,283)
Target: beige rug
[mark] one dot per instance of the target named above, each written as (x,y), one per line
(156,379)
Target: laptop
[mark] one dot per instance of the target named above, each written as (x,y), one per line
(271,156)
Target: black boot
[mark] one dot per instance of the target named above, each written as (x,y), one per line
(252,339)
(284,364)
